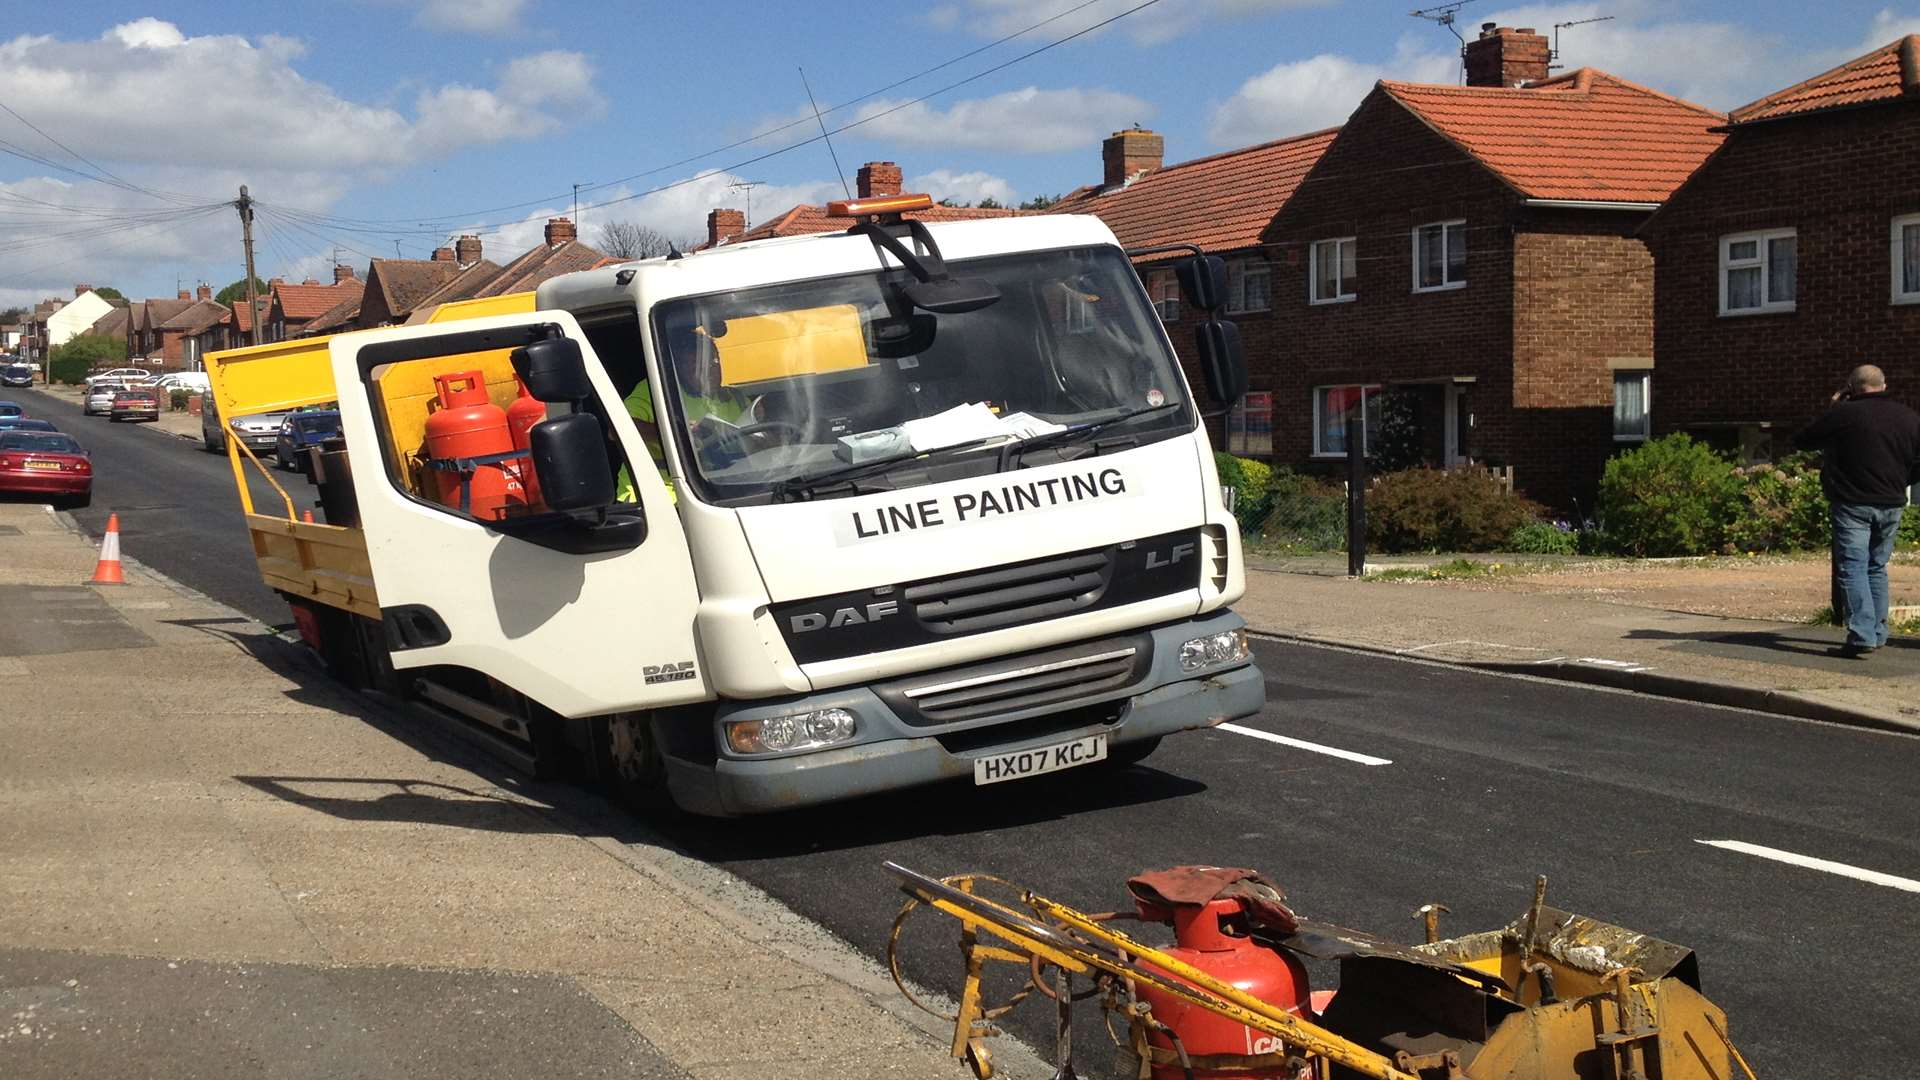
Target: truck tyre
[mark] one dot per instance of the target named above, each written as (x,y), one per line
(631,765)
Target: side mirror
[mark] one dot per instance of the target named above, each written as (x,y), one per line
(553,370)
(570,459)
(1203,281)
(1222,361)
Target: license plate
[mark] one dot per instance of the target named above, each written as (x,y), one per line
(43,465)
(1040,759)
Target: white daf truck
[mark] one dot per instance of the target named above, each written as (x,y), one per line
(806,518)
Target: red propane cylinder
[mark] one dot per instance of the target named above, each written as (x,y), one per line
(525,412)
(468,425)
(1227,954)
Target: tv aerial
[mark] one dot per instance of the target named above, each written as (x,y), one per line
(1446,15)
(1557,27)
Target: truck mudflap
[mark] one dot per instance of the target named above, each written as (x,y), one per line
(900,746)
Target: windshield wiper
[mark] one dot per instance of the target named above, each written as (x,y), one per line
(794,486)
(1012,452)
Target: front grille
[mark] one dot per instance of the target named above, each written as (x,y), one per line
(1105,714)
(1009,595)
(1062,678)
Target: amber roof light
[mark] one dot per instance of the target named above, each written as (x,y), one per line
(879,204)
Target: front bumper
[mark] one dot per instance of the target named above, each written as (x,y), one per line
(256,441)
(893,754)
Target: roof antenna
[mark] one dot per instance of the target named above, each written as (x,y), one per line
(823,134)
(1555,54)
(1444,15)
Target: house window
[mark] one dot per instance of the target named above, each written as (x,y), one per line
(1632,405)
(1337,411)
(1250,425)
(1249,286)
(1906,259)
(1440,256)
(1758,271)
(1333,271)
(1165,292)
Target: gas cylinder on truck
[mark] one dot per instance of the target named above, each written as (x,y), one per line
(1213,937)
(467,425)
(522,415)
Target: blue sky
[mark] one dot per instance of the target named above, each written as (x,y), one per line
(359,123)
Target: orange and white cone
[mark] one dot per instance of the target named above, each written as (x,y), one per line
(107,571)
(307,516)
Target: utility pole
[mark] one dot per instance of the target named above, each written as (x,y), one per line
(244,204)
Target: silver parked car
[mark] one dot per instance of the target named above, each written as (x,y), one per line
(260,433)
(99,399)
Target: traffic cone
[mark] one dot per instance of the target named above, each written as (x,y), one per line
(107,571)
(306,516)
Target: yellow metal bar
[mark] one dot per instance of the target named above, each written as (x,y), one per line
(240,478)
(239,474)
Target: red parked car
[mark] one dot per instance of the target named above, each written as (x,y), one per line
(134,405)
(46,463)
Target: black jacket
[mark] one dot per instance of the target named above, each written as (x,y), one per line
(1870,450)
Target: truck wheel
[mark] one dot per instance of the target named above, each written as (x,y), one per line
(631,765)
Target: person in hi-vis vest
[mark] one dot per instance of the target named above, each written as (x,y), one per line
(701,396)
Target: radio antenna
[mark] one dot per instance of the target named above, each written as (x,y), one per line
(823,134)
(1444,15)
(1557,27)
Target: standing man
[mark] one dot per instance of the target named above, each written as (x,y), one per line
(1870,455)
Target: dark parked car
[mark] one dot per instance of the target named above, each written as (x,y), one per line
(16,375)
(300,431)
(11,408)
(46,463)
(134,405)
(21,423)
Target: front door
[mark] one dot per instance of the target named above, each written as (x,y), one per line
(583,634)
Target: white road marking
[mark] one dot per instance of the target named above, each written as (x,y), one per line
(1874,876)
(1302,744)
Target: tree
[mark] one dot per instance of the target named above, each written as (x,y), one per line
(108,292)
(69,363)
(238,291)
(13,315)
(1039,202)
(631,240)
(990,203)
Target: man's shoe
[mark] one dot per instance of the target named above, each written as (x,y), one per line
(1854,652)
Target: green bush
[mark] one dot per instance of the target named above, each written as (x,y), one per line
(1670,496)
(69,363)
(1248,479)
(1304,513)
(1779,507)
(1543,538)
(1443,510)
(1910,528)
(177,398)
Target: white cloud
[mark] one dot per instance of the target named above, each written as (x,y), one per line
(148,33)
(1027,121)
(471,16)
(963,187)
(1318,92)
(1150,26)
(534,95)
(1888,25)
(678,212)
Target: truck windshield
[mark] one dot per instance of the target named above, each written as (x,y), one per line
(779,385)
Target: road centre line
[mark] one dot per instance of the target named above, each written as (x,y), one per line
(1302,744)
(1875,877)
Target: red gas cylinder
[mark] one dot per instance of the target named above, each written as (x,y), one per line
(525,412)
(468,425)
(1212,938)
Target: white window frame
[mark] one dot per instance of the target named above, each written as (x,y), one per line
(1366,390)
(1762,249)
(1645,375)
(1237,270)
(1444,227)
(1900,224)
(1163,288)
(1344,287)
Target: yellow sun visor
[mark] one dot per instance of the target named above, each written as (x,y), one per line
(809,341)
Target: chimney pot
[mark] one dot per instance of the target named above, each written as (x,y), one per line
(466,249)
(1505,57)
(342,272)
(1127,154)
(726,224)
(274,281)
(184,295)
(443,254)
(1910,64)
(559,231)
(310,281)
(879,178)
(81,290)
(204,292)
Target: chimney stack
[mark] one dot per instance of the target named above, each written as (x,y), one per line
(725,225)
(1910,64)
(204,292)
(184,295)
(275,282)
(559,231)
(81,290)
(342,272)
(466,250)
(310,281)
(1127,154)
(1503,56)
(879,178)
(440,254)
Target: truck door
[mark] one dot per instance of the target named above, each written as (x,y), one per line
(581,632)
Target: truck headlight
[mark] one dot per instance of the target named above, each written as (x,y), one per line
(786,734)
(1225,647)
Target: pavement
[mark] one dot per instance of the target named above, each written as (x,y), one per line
(216,862)
(1652,638)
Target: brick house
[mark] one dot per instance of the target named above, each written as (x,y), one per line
(1793,255)
(561,252)
(729,226)
(292,307)
(396,287)
(1473,248)
(1222,204)
(146,342)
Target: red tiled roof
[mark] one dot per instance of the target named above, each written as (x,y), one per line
(805,220)
(538,265)
(1219,203)
(197,316)
(1881,75)
(242,318)
(340,316)
(303,302)
(1585,135)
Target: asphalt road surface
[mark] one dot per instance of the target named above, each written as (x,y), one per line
(1454,786)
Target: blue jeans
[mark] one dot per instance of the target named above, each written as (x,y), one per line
(1863,538)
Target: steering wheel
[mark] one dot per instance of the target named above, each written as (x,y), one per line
(788,433)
